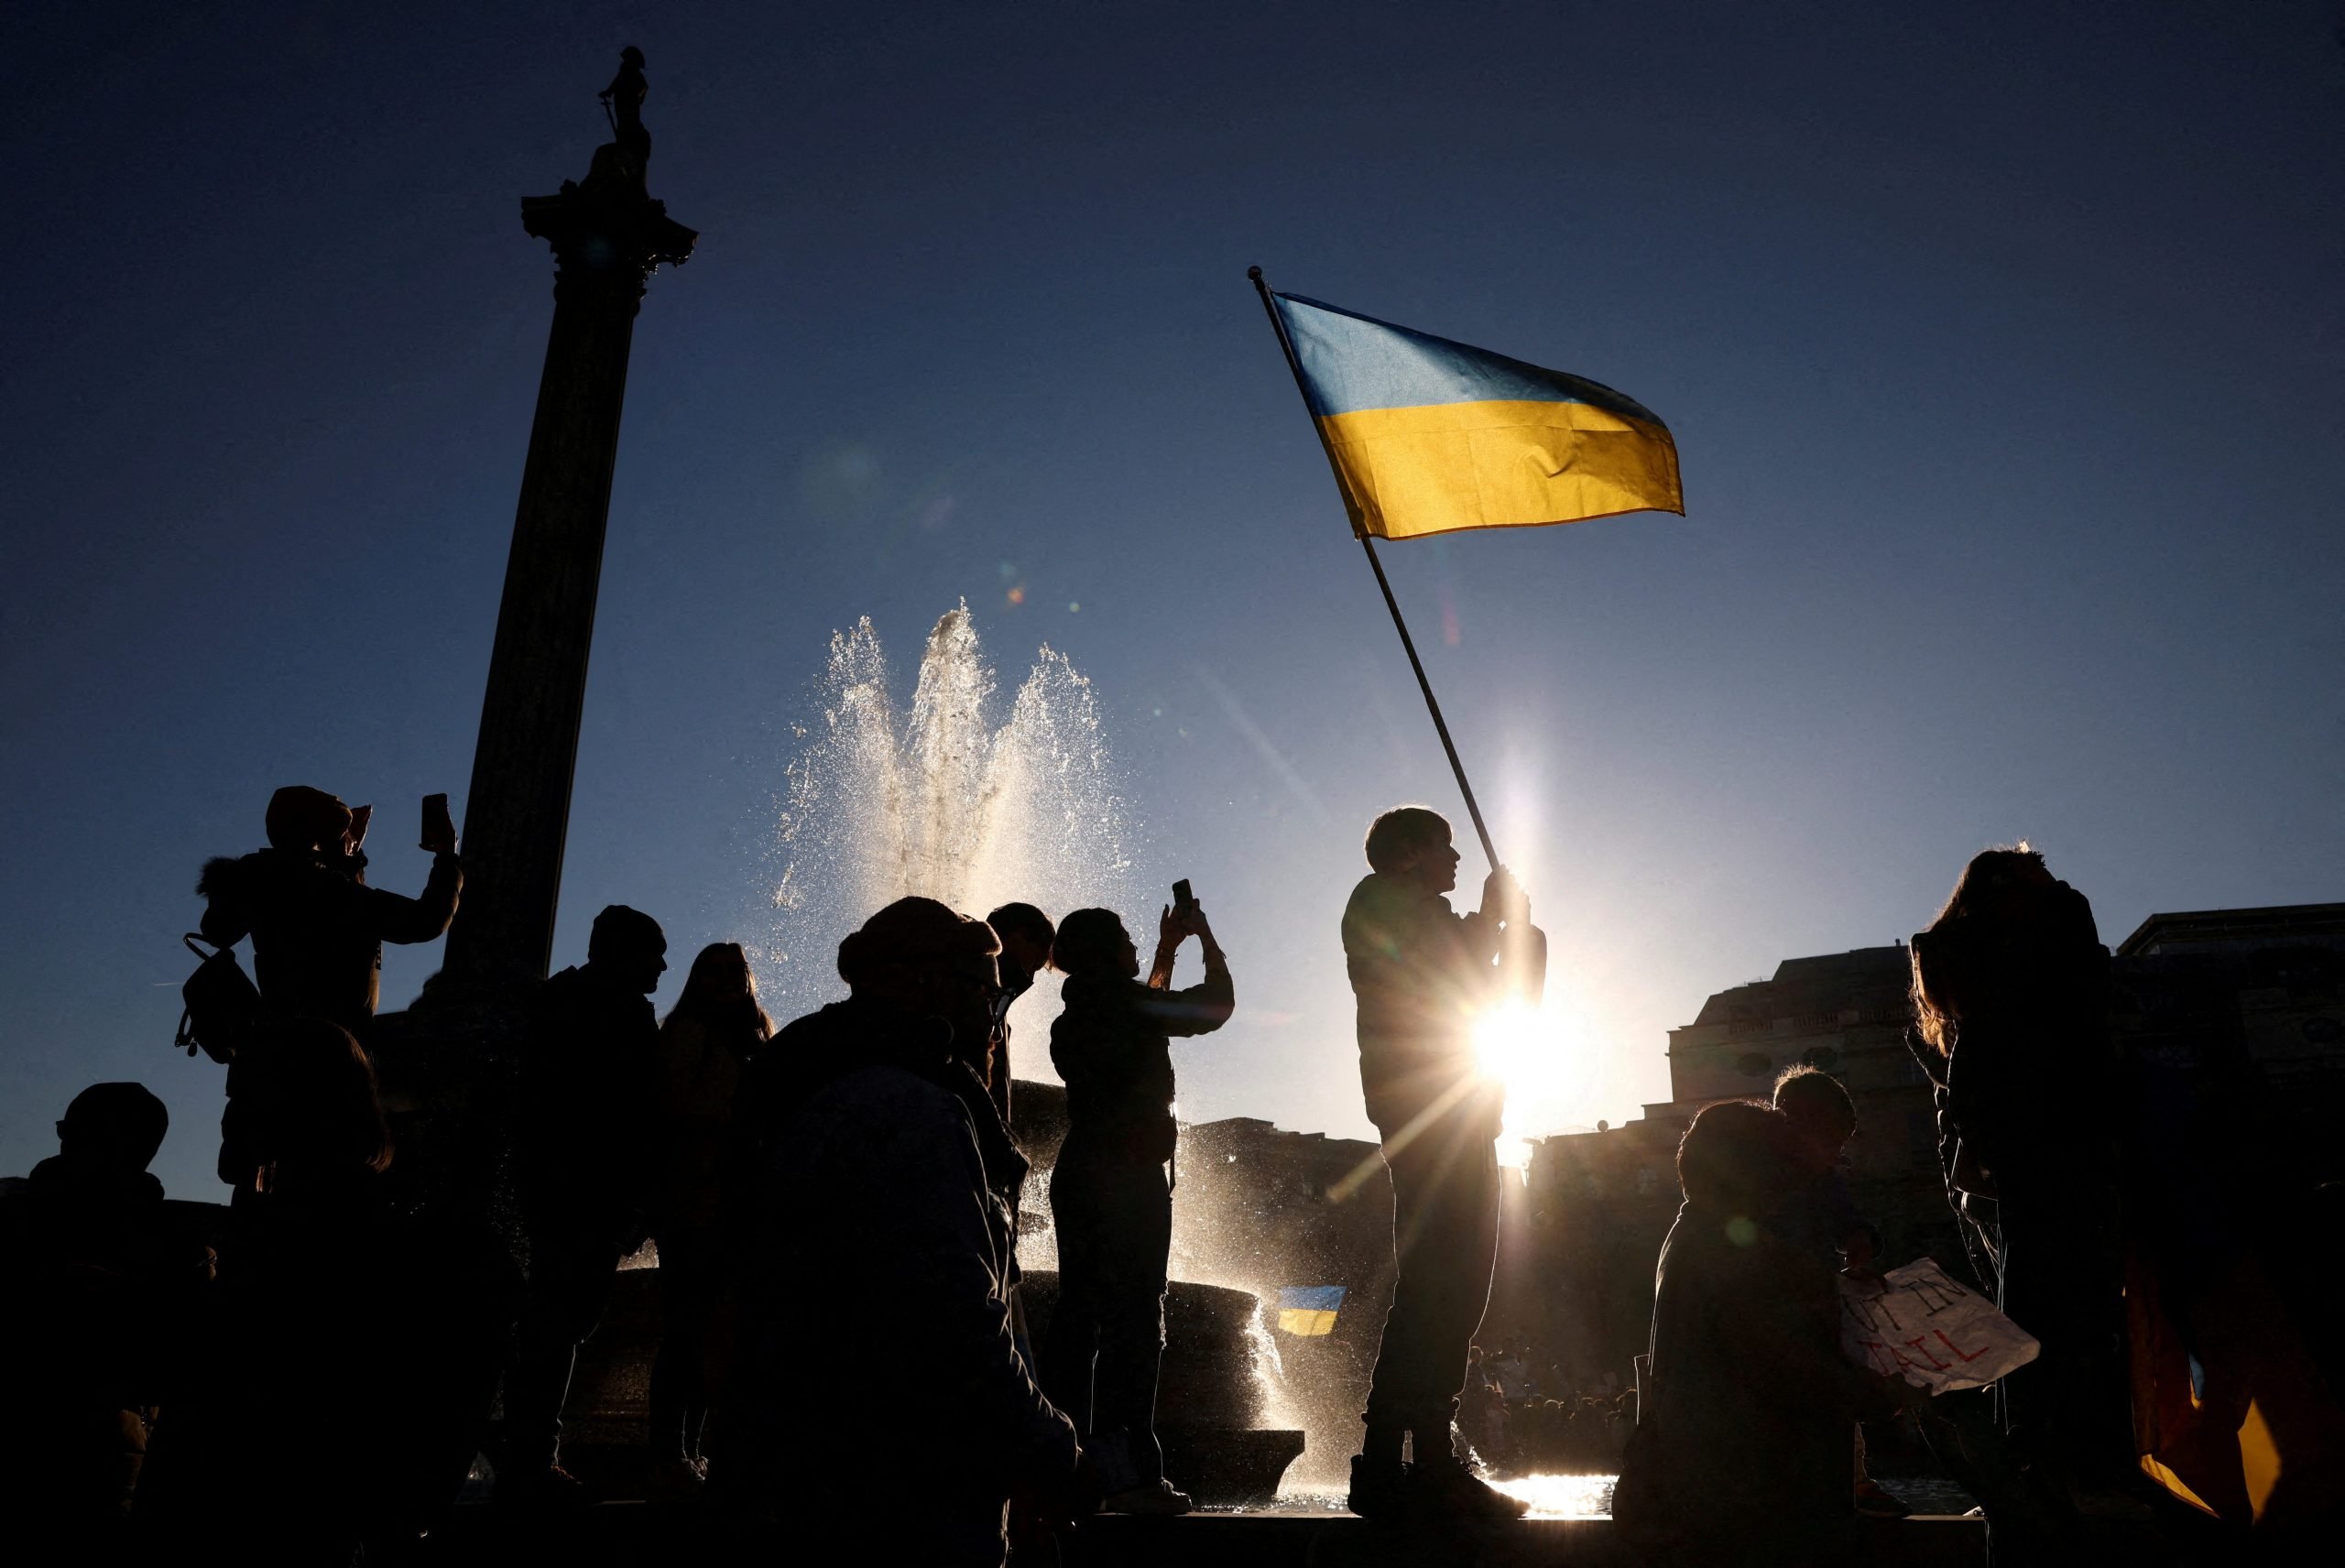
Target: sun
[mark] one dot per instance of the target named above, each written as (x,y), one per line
(1516,1046)
(1524,1049)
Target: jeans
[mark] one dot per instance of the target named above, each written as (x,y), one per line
(1106,1338)
(571,1273)
(1445,1249)
(690,1282)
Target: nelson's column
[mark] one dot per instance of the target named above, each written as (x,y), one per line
(608,235)
(444,1062)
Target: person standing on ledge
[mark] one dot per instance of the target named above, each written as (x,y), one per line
(1110,1195)
(715,1031)
(1423,976)
(584,1156)
(2012,986)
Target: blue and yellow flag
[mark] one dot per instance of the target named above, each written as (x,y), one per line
(1431,436)
(1309,1310)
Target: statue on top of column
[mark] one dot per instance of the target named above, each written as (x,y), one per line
(607,225)
(624,99)
(624,157)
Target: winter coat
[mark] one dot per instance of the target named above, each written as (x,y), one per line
(1821,1216)
(701,1072)
(808,1053)
(878,1325)
(1752,1401)
(99,1294)
(1113,1045)
(318,929)
(588,1117)
(2031,1043)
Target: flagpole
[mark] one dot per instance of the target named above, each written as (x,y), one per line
(1408,643)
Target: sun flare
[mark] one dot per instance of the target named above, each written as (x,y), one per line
(1518,1047)
(1523,1047)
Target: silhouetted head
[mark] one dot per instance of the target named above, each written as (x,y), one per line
(1993,891)
(116,1125)
(1822,1117)
(631,55)
(721,993)
(628,946)
(315,1091)
(918,956)
(1026,936)
(302,820)
(1093,944)
(1735,1161)
(1997,882)
(1413,842)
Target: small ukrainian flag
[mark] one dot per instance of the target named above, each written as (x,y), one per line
(1430,436)
(1309,1310)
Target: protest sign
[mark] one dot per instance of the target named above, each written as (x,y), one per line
(1914,1323)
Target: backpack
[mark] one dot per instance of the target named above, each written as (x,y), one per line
(222,1005)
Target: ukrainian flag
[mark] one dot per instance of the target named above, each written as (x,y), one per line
(1430,436)
(1309,1310)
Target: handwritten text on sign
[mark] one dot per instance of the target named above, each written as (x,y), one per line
(1914,1323)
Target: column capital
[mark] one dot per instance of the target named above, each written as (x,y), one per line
(607,236)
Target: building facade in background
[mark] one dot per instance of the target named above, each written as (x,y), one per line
(2230,1026)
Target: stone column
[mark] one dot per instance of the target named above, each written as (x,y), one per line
(607,236)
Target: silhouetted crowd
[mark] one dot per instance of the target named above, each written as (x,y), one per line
(322,1380)
(1510,1417)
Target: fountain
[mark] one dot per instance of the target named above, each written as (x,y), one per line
(945,803)
(948,803)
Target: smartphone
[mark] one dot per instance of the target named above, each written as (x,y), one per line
(1183,900)
(439,828)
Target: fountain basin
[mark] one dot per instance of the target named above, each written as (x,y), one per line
(1209,1406)
(1211,1400)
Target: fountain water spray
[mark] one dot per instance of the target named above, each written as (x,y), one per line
(947,802)
(951,801)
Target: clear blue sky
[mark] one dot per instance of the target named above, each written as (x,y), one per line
(2002,342)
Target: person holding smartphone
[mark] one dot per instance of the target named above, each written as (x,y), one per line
(1111,1194)
(318,929)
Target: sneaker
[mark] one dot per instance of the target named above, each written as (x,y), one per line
(1162,1499)
(551,1490)
(1878,1502)
(1380,1491)
(676,1481)
(1446,1490)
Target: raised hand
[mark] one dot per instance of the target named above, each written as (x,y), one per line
(1503,898)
